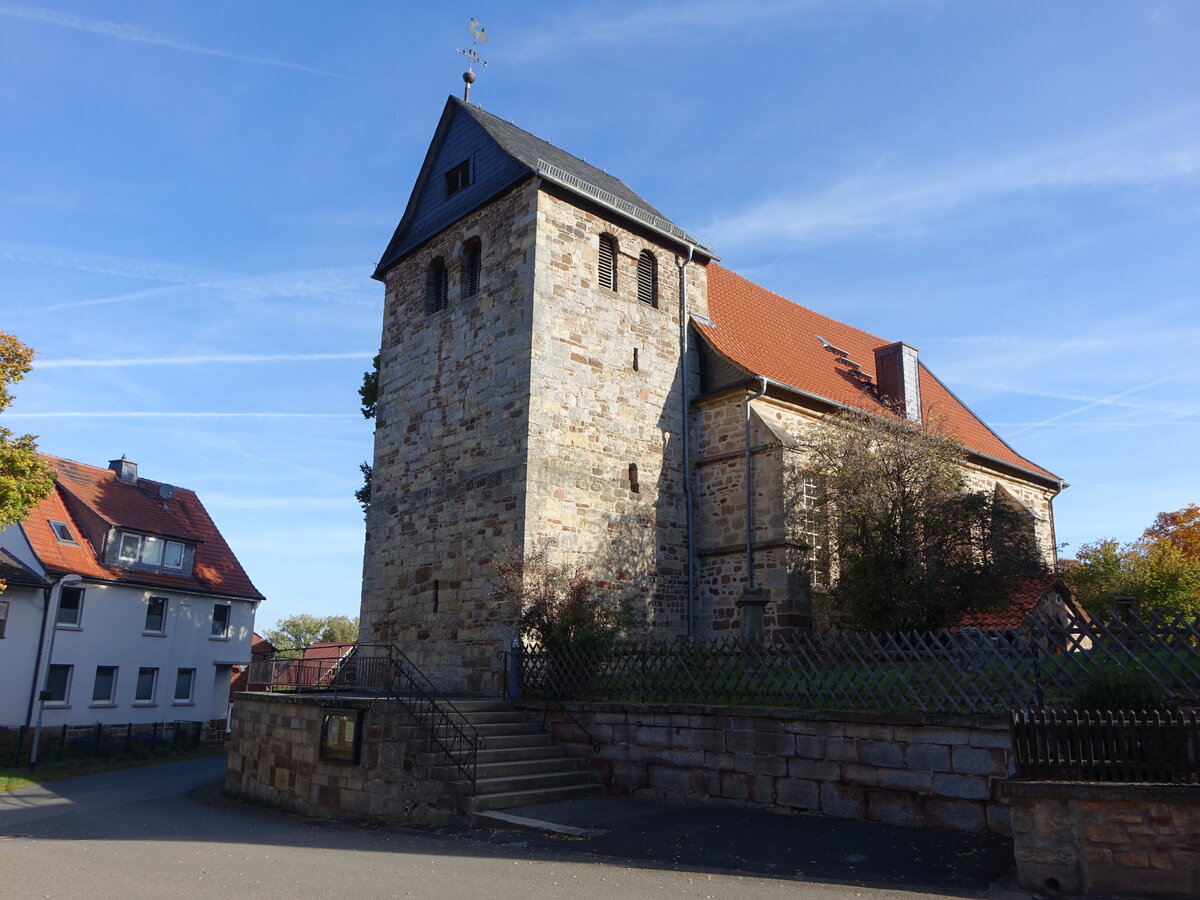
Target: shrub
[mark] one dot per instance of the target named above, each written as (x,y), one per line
(1118,687)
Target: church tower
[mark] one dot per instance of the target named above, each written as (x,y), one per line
(534,377)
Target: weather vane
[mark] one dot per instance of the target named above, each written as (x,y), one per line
(478,36)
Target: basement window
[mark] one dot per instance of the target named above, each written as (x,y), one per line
(341,736)
(458,178)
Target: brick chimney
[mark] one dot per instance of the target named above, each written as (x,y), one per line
(896,375)
(126,469)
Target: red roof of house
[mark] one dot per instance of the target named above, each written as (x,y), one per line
(1025,593)
(82,491)
(769,335)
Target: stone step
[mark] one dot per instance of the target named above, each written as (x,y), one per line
(508,768)
(489,717)
(512,799)
(507,784)
(429,755)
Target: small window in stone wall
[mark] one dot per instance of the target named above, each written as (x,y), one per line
(607,272)
(635,359)
(341,736)
(437,286)
(472,254)
(647,275)
(633,479)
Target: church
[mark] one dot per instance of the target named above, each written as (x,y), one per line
(562,366)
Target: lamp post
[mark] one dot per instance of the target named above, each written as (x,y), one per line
(52,601)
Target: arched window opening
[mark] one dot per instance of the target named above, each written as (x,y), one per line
(437,286)
(472,266)
(647,274)
(607,273)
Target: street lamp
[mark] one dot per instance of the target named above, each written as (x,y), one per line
(53,599)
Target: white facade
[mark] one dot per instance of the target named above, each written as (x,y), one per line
(122,661)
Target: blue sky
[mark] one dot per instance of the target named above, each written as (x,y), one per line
(193,197)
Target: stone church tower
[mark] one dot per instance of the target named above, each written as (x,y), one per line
(563,367)
(532,392)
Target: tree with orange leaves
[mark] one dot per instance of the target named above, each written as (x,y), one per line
(1180,528)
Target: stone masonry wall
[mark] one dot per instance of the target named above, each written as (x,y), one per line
(448,488)
(1117,839)
(274,759)
(780,563)
(903,770)
(605,479)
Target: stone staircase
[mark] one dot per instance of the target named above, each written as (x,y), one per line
(518,765)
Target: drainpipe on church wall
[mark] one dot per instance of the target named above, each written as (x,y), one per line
(752,600)
(689,578)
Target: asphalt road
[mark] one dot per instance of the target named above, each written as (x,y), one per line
(155,833)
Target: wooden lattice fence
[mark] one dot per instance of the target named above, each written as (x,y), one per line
(964,672)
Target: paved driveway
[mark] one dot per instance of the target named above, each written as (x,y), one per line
(142,833)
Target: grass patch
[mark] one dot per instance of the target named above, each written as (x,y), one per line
(76,767)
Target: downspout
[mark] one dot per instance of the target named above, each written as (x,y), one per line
(37,661)
(689,566)
(750,488)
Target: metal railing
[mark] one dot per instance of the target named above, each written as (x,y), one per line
(384,672)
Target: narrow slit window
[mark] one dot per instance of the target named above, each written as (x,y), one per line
(607,274)
(472,266)
(647,274)
(635,359)
(437,286)
(634,487)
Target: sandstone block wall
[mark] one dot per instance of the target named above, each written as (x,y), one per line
(1114,839)
(606,464)
(902,770)
(448,489)
(274,758)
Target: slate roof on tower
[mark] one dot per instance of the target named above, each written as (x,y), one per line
(91,501)
(500,155)
(765,334)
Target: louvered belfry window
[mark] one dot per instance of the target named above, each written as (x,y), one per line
(647,272)
(608,262)
(437,285)
(472,264)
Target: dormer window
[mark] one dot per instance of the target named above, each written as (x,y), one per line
(458,178)
(148,550)
(62,531)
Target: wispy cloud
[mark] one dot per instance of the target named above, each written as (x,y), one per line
(660,22)
(141,414)
(139,35)
(235,358)
(343,285)
(883,198)
(102,264)
(1101,401)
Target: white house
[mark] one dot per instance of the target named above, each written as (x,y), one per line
(150,629)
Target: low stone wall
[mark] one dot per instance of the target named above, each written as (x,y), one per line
(1115,839)
(944,772)
(274,758)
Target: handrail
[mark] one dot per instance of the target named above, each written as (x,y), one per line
(571,716)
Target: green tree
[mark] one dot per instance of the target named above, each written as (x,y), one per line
(1156,573)
(368,394)
(913,549)
(25,478)
(302,630)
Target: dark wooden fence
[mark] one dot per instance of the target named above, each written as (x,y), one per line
(958,672)
(1122,746)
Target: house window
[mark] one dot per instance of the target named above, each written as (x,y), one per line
(150,551)
(472,264)
(62,531)
(156,615)
(58,684)
(70,608)
(146,683)
(3,616)
(437,287)
(104,688)
(810,531)
(185,683)
(220,620)
(341,736)
(458,178)
(607,272)
(647,272)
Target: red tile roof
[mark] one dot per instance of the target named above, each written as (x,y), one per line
(769,335)
(1025,595)
(83,491)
